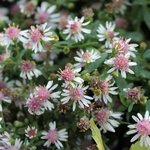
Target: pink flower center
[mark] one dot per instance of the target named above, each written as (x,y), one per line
(143,127)
(43,17)
(76,94)
(121,62)
(121,46)
(67,74)
(36,35)
(110,35)
(42,93)
(75,27)
(27,66)
(104,85)
(102,116)
(52,135)
(31,132)
(12,32)
(87,57)
(34,104)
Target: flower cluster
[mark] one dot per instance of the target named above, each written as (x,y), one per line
(68,67)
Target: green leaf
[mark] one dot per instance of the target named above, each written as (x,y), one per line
(130,107)
(137,146)
(135,36)
(146,13)
(96,135)
(145,74)
(147,54)
(141,2)
(148,105)
(95,64)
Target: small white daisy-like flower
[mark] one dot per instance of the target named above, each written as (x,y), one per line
(27,7)
(36,35)
(141,129)
(28,70)
(120,63)
(122,46)
(69,75)
(45,93)
(107,33)
(120,6)
(54,136)
(75,29)
(14,33)
(103,88)
(31,132)
(86,57)
(107,119)
(76,93)
(3,14)
(45,13)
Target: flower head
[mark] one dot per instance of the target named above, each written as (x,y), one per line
(31,132)
(107,33)
(45,13)
(141,129)
(102,89)
(120,63)
(122,46)
(36,35)
(86,57)
(76,94)
(69,75)
(54,136)
(75,28)
(107,119)
(28,69)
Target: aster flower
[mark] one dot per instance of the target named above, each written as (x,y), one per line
(14,33)
(107,119)
(27,7)
(102,89)
(75,29)
(76,93)
(45,13)
(31,132)
(107,33)
(3,14)
(55,136)
(120,6)
(86,57)
(141,129)
(34,105)
(69,75)
(5,139)
(28,70)
(120,63)
(44,93)
(36,35)
(122,46)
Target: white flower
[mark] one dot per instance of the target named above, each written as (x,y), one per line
(28,70)
(54,136)
(122,46)
(141,129)
(107,33)
(86,57)
(120,63)
(45,13)
(75,29)
(3,15)
(69,75)
(31,132)
(103,89)
(76,93)
(107,119)
(36,35)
